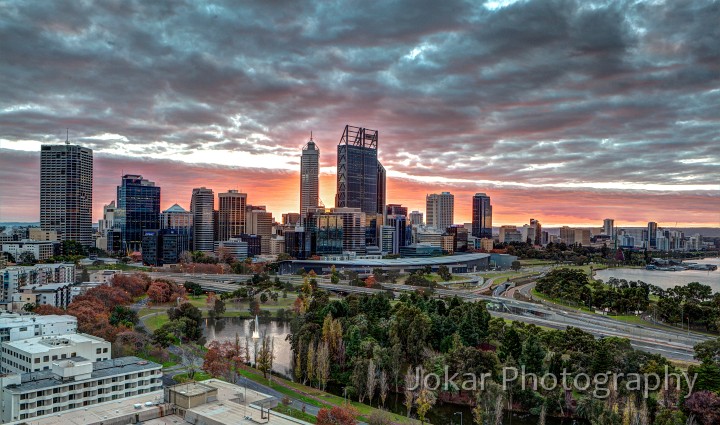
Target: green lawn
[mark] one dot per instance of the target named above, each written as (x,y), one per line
(295,413)
(172,361)
(537,294)
(154,322)
(199,376)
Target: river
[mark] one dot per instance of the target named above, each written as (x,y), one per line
(667,279)
(445,414)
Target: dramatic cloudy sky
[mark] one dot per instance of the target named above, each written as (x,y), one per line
(566,111)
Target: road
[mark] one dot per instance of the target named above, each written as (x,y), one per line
(673,344)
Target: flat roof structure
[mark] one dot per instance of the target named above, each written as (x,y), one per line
(41,344)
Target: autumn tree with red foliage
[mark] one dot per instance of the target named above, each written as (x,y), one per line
(47,309)
(705,405)
(109,296)
(222,358)
(135,284)
(338,415)
(162,291)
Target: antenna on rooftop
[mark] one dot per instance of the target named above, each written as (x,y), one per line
(67,136)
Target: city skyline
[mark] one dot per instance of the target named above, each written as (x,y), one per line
(554,118)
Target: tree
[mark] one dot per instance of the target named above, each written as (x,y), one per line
(123,315)
(444,273)
(47,309)
(371,381)
(409,393)
(265,356)
(384,385)
(338,415)
(193,288)
(27,258)
(190,356)
(379,417)
(533,354)
(425,401)
(323,364)
(705,405)
(515,265)
(310,363)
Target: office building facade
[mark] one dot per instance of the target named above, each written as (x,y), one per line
(138,208)
(66,183)
(202,205)
(358,170)
(231,214)
(481,216)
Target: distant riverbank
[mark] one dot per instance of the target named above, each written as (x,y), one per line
(666,279)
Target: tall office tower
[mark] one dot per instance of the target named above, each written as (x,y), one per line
(259,222)
(397,209)
(309,177)
(66,179)
(176,225)
(537,231)
(202,205)
(108,221)
(481,216)
(138,209)
(358,170)
(416,218)
(652,234)
(440,210)
(231,214)
(609,228)
(460,237)
(567,234)
(400,237)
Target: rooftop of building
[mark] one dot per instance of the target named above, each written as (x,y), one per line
(41,344)
(35,381)
(47,287)
(175,209)
(10,319)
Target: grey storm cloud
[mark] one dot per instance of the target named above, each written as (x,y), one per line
(601,91)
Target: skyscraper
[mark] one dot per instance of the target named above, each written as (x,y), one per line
(537,232)
(397,209)
(231,214)
(358,171)
(138,209)
(416,218)
(481,216)
(176,225)
(651,234)
(440,210)
(309,177)
(66,179)
(260,223)
(201,207)
(609,228)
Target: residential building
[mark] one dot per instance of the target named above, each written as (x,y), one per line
(39,353)
(74,383)
(481,216)
(138,209)
(12,279)
(487,244)
(440,210)
(202,205)
(16,327)
(231,214)
(52,294)
(66,181)
(38,234)
(416,218)
(41,250)
(567,235)
(277,244)
(309,177)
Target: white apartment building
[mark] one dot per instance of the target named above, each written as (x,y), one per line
(103,276)
(75,383)
(15,327)
(42,250)
(39,353)
(54,294)
(12,279)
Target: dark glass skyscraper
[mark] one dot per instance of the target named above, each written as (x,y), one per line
(482,216)
(309,177)
(66,180)
(358,171)
(138,209)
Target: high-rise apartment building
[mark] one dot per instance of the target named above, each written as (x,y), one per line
(66,180)
(309,177)
(202,205)
(481,216)
(231,214)
(138,209)
(416,218)
(358,171)
(440,210)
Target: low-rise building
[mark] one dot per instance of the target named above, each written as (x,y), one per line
(39,353)
(53,294)
(75,383)
(42,250)
(12,279)
(14,327)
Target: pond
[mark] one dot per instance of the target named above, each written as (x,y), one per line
(231,327)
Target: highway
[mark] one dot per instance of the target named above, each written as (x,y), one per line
(673,344)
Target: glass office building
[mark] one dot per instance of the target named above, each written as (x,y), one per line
(138,209)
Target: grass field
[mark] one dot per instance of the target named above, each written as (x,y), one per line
(537,294)
(199,376)
(295,413)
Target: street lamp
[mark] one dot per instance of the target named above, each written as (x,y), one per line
(459,413)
